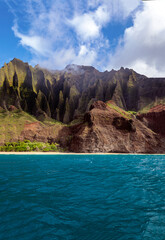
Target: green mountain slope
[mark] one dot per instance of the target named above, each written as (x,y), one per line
(65,95)
(16,125)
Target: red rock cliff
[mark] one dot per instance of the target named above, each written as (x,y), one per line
(110,129)
(155,119)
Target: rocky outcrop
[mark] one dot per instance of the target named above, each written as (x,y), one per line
(155,119)
(81,92)
(106,129)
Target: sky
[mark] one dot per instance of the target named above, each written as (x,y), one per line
(106,34)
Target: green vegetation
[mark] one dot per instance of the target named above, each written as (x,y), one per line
(63,95)
(132,112)
(76,121)
(27,146)
(151,105)
(12,124)
(119,110)
(50,121)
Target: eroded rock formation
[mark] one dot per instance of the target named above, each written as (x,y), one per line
(108,130)
(155,119)
(64,95)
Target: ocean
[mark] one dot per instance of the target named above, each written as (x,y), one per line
(82,197)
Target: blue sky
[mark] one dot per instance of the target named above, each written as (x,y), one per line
(9,44)
(103,33)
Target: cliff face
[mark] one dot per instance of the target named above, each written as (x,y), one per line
(63,95)
(155,119)
(107,128)
(104,128)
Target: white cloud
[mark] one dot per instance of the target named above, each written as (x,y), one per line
(37,43)
(118,8)
(143,44)
(102,15)
(59,33)
(88,25)
(149,70)
(87,55)
(85,26)
(128,6)
(63,57)
(83,50)
(57,60)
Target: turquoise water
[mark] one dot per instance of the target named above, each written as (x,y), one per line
(87,197)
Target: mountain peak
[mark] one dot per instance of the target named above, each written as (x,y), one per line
(74,69)
(16,60)
(19,62)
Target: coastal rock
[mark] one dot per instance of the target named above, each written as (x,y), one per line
(109,130)
(155,119)
(105,128)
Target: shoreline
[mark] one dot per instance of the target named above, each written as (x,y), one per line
(69,153)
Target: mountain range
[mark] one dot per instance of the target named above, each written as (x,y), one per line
(67,94)
(82,109)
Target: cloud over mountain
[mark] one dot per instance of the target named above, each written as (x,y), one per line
(65,32)
(143,45)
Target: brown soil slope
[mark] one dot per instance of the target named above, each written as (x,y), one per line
(105,128)
(109,129)
(155,119)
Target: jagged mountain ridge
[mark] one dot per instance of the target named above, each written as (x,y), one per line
(63,95)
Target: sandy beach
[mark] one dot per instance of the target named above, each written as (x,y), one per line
(54,153)
(69,153)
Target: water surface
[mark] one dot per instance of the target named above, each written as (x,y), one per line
(82,197)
